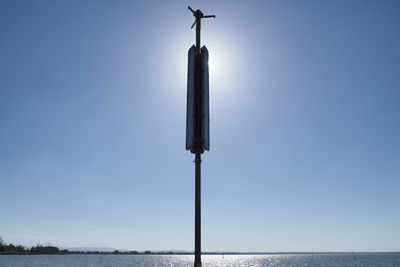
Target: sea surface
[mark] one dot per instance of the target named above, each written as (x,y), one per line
(309,260)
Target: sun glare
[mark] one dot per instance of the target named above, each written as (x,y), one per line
(220,69)
(225,74)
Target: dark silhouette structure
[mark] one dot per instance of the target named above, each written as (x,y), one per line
(197,128)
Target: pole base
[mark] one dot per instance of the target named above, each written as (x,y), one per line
(197,264)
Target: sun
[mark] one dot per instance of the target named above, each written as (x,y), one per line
(225,65)
(212,65)
(220,69)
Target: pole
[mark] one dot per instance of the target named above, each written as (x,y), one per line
(197,215)
(198,145)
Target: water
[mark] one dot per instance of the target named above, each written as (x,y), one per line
(309,260)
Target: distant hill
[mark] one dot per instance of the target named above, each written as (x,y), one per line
(92,249)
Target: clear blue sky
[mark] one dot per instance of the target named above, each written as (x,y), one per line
(305,125)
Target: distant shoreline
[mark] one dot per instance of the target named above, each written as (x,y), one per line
(11,249)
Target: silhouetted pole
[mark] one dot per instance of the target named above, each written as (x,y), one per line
(197,212)
(198,146)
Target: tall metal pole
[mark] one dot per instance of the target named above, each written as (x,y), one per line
(197,216)
(198,145)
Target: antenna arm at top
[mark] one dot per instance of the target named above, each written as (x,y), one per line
(199,15)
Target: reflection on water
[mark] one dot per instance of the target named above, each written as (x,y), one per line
(309,260)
